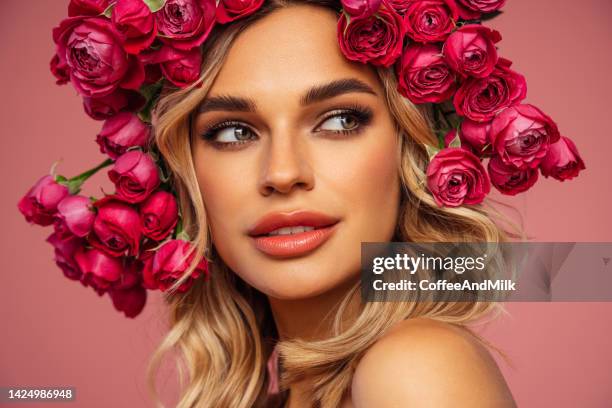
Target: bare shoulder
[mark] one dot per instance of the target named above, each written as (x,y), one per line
(426,363)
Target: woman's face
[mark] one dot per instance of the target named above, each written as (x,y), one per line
(296,157)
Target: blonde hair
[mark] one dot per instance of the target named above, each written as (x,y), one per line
(223,327)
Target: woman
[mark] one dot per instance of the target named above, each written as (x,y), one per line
(286,158)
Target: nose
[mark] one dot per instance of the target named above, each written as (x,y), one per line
(286,167)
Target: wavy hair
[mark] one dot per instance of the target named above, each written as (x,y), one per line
(223,328)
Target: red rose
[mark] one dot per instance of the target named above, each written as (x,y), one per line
(127,293)
(360,8)
(509,179)
(64,249)
(87,7)
(424,76)
(376,39)
(182,68)
(60,70)
(400,6)
(480,99)
(134,20)
(470,51)
(185,24)
(562,161)
(135,176)
(99,270)
(116,228)
(158,215)
(230,10)
(92,49)
(430,20)
(74,216)
(455,177)
(39,205)
(169,264)
(521,135)
(482,6)
(109,105)
(476,136)
(121,132)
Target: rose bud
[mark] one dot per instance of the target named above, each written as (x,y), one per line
(169,264)
(134,20)
(87,7)
(521,135)
(39,205)
(158,215)
(121,132)
(360,8)
(74,216)
(135,176)
(185,24)
(182,68)
(480,99)
(510,180)
(60,70)
(562,161)
(116,228)
(470,51)
(376,39)
(430,20)
(230,10)
(93,51)
(110,105)
(130,301)
(424,76)
(476,136)
(99,269)
(455,176)
(400,6)
(482,6)
(64,254)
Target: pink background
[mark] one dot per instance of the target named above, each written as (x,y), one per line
(57,333)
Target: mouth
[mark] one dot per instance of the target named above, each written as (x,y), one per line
(287,235)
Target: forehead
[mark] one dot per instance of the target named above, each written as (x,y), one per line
(288,51)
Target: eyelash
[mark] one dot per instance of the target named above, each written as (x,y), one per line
(362,114)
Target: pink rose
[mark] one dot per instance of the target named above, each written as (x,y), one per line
(169,264)
(121,132)
(562,161)
(60,70)
(430,20)
(480,99)
(455,177)
(424,76)
(92,48)
(64,249)
(376,39)
(108,106)
(135,176)
(482,6)
(87,7)
(134,20)
(116,228)
(521,135)
(182,68)
(360,8)
(74,216)
(39,205)
(158,215)
(99,269)
(476,136)
(510,180)
(127,293)
(230,10)
(185,24)
(470,51)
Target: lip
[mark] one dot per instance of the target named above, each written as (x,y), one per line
(286,246)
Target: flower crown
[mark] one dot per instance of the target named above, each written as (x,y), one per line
(119,54)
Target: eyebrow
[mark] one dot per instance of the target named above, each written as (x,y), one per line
(315,94)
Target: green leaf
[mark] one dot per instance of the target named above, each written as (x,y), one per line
(61,179)
(456,142)
(155,5)
(431,151)
(109,10)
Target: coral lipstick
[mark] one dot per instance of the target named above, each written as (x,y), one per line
(286,235)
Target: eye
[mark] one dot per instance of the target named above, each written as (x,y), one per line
(229,133)
(340,122)
(346,120)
